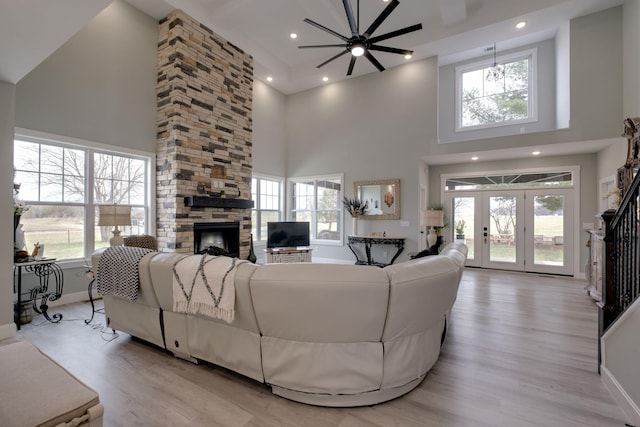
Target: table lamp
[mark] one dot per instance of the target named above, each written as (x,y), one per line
(432,218)
(113,216)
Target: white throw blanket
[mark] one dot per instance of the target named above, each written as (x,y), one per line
(204,284)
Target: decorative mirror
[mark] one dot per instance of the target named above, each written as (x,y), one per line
(382,196)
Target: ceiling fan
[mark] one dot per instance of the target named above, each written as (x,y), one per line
(361,44)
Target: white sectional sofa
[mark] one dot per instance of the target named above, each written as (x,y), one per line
(323,334)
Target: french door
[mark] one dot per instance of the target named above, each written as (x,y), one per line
(523,230)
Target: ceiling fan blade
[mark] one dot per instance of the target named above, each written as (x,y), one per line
(352,63)
(373,60)
(386,12)
(395,33)
(328,30)
(391,50)
(332,58)
(322,45)
(352,22)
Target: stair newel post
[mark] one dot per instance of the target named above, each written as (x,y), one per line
(607,312)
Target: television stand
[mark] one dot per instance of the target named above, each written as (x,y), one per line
(281,255)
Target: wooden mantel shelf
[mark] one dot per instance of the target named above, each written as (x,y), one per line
(217,202)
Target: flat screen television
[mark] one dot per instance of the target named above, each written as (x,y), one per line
(287,234)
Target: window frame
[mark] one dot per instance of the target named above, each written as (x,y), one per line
(340,210)
(90,148)
(531,55)
(256,202)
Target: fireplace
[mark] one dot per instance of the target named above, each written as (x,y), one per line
(225,235)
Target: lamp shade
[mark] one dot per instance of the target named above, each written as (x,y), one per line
(114,215)
(433,218)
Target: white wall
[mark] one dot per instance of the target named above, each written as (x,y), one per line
(596,90)
(100,85)
(7,117)
(620,357)
(620,343)
(596,74)
(563,76)
(545,95)
(631,58)
(373,127)
(269,136)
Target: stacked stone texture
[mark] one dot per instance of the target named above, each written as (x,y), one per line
(204,112)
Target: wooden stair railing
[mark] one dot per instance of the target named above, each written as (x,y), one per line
(622,257)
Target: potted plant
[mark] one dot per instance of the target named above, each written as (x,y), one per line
(460,229)
(356,208)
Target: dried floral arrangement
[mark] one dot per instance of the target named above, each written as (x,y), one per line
(355,206)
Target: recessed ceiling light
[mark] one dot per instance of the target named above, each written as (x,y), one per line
(325,79)
(293,35)
(408,56)
(521,24)
(269,78)
(535,153)
(475,158)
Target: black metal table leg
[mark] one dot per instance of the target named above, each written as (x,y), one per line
(93,307)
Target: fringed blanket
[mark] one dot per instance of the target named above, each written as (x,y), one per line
(204,284)
(118,271)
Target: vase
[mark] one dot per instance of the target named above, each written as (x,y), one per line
(354,228)
(252,255)
(16,221)
(18,238)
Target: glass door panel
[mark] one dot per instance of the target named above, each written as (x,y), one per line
(549,243)
(503,228)
(524,230)
(464,222)
(548,230)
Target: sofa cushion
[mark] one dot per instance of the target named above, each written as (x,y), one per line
(421,292)
(320,302)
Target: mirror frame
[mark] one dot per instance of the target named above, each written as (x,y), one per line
(396,182)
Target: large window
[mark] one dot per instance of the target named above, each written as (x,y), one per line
(267,202)
(318,201)
(63,183)
(494,94)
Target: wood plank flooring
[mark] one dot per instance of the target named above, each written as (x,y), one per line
(521,351)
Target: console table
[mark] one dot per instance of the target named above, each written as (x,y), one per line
(44,270)
(369,241)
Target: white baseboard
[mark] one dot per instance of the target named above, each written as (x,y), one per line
(74,297)
(621,397)
(8,331)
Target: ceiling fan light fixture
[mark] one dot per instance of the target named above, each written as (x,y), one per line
(363,44)
(357,49)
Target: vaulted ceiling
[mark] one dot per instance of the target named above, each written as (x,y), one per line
(452,29)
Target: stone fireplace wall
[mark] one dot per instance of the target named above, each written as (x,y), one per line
(204,144)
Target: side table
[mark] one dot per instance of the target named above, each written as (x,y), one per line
(368,241)
(44,270)
(91,275)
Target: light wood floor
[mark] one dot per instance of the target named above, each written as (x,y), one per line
(521,351)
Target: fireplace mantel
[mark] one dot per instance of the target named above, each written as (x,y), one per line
(217,202)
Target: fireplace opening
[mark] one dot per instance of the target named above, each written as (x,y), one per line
(223,235)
